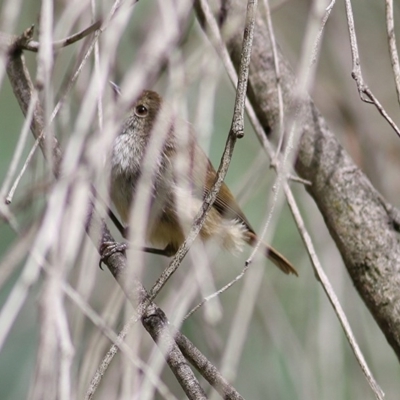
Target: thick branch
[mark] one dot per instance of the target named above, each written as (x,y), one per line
(23,89)
(353,211)
(207,370)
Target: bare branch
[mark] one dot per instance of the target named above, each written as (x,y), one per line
(6,40)
(322,277)
(207,370)
(17,154)
(366,94)
(101,370)
(394,57)
(281,126)
(23,89)
(218,292)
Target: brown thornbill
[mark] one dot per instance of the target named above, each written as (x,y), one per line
(182,175)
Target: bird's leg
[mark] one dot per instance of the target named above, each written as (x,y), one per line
(122,230)
(109,248)
(168,251)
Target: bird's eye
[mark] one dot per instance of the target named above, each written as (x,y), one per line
(141,110)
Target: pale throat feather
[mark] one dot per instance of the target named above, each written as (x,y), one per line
(125,171)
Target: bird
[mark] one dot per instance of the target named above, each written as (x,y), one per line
(182,176)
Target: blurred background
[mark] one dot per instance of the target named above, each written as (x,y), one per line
(294,347)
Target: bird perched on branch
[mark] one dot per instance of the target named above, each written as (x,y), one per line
(155,145)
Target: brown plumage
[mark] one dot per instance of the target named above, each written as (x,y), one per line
(182,176)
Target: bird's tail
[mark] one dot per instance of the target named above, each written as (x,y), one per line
(277,258)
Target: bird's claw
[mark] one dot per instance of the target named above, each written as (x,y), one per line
(109,248)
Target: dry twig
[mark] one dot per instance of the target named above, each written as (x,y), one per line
(365,92)
(6,40)
(394,57)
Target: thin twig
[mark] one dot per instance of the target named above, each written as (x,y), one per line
(281,126)
(34,47)
(45,63)
(236,131)
(297,179)
(16,253)
(305,75)
(18,152)
(102,368)
(218,292)
(207,370)
(10,11)
(97,72)
(366,90)
(366,94)
(394,57)
(28,160)
(317,44)
(6,39)
(82,63)
(331,294)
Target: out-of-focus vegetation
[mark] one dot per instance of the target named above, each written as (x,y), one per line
(295,347)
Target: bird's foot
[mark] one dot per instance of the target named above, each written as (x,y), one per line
(109,248)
